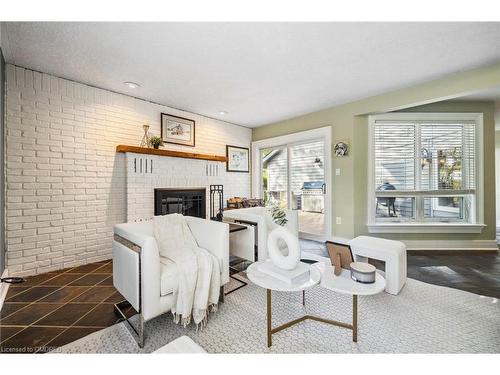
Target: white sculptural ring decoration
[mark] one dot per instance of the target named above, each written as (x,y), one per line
(286,262)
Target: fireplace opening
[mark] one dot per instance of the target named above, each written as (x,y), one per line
(188,202)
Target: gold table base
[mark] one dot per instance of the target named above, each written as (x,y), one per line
(271,330)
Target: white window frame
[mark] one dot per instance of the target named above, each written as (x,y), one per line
(324,133)
(427,226)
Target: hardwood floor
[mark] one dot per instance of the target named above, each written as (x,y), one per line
(478,273)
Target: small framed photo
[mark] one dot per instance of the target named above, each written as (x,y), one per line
(237,159)
(177,130)
(341,149)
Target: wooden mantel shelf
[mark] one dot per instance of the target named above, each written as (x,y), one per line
(173,154)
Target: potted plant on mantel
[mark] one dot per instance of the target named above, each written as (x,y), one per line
(156,141)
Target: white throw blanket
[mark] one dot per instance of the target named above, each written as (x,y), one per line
(198,270)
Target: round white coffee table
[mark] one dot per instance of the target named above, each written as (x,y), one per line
(320,273)
(345,285)
(271,283)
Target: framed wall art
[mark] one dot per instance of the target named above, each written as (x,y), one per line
(177,130)
(341,149)
(237,159)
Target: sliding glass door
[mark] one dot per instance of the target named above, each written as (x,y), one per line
(308,186)
(293,176)
(274,163)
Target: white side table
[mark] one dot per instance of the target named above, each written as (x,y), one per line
(393,253)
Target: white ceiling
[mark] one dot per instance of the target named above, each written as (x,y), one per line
(257,72)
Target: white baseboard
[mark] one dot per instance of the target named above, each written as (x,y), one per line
(437,245)
(473,245)
(3,288)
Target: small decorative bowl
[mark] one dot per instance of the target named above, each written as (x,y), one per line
(363,272)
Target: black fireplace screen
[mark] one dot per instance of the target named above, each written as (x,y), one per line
(188,202)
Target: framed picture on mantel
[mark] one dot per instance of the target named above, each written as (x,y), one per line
(177,130)
(237,159)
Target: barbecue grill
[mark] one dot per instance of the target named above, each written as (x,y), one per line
(312,196)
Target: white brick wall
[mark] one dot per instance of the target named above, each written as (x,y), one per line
(66,186)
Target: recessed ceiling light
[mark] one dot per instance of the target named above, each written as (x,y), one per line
(131,85)
(222,113)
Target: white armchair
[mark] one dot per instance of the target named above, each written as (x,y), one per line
(148,281)
(260,217)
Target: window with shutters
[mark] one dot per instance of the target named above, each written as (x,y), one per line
(424,169)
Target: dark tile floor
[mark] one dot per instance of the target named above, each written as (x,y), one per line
(55,308)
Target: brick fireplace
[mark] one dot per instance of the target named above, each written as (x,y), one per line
(174,174)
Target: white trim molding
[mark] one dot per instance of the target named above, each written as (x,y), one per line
(441,245)
(324,133)
(477,223)
(425,228)
(437,245)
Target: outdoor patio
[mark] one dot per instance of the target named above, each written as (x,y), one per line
(311,222)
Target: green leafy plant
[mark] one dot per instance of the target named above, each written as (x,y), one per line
(156,141)
(450,174)
(450,167)
(277,213)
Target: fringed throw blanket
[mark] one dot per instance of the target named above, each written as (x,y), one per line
(198,270)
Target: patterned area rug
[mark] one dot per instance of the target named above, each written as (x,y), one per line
(423,318)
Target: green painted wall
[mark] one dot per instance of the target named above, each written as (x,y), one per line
(349,122)
(361,158)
